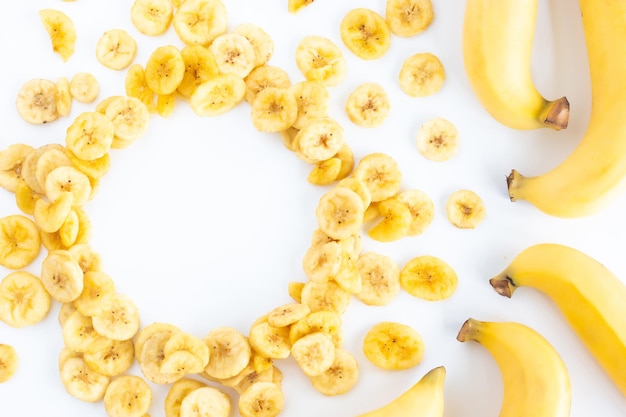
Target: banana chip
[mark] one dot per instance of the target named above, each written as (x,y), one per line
(98,291)
(205,401)
(314,353)
(273,110)
(340,213)
(393,346)
(8,362)
(260,40)
(265,76)
(61,276)
(294,6)
(114,360)
(23,300)
(396,222)
(152,17)
(421,75)
(380,277)
(269,341)
(90,136)
(368,105)
(313,100)
(421,207)
(61,31)
(325,296)
(234,54)
(320,59)
(340,377)
(82,382)
(437,140)
(84,87)
(365,33)
(199,22)
(36,101)
(262,399)
(318,321)
(229,352)
(11,161)
(118,319)
(407,18)
(165,70)
(429,278)
(200,66)
(136,86)
(465,209)
(127,396)
(79,334)
(63,96)
(116,49)
(319,140)
(381,173)
(177,392)
(218,95)
(20,243)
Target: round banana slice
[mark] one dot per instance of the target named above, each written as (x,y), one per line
(185,342)
(319,59)
(339,213)
(50,217)
(320,140)
(340,378)
(119,318)
(152,17)
(80,335)
(269,341)
(229,352)
(325,296)
(165,70)
(199,22)
(116,49)
(381,173)
(218,95)
(8,362)
(437,140)
(365,33)
(421,75)
(314,353)
(61,31)
(98,291)
(23,300)
(11,161)
(261,399)
(177,392)
(127,396)
(151,357)
(273,110)
(261,41)
(287,314)
(130,117)
(380,278)
(421,207)
(84,87)
(322,261)
(465,209)
(36,101)
(147,332)
(135,86)
(81,382)
(395,223)
(393,346)
(205,401)
(50,159)
(313,100)
(61,276)
(114,360)
(429,278)
(318,321)
(90,136)
(407,18)
(368,105)
(358,187)
(200,66)
(63,96)
(87,258)
(263,77)
(20,243)
(234,54)
(66,179)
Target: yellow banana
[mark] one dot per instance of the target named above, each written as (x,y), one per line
(595,171)
(424,399)
(497,46)
(591,298)
(536,382)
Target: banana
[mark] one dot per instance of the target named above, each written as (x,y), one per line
(365,33)
(319,139)
(325,172)
(368,105)
(49,160)
(90,135)
(135,86)
(80,336)
(269,341)
(165,69)
(61,31)
(98,290)
(429,278)
(260,40)
(23,299)
(68,232)
(437,139)
(152,17)
(313,101)
(322,261)
(594,173)
(380,279)
(589,295)
(61,276)
(118,319)
(393,346)
(421,75)
(200,66)
(11,160)
(339,213)
(114,360)
(536,381)
(425,398)
(8,362)
(497,47)
(66,179)
(116,49)
(84,87)
(381,173)
(166,104)
(130,117)
(465,209)
(82,382)
(50,217)
(318,321)
(177,393)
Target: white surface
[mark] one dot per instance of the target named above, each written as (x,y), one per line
(204,221)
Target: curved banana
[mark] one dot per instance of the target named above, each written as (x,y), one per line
(595,172)
(592,299)
(536,382)
(497,48)
(424,399)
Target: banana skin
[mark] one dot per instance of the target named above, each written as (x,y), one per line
(592,298)
(497,47)
(536,381)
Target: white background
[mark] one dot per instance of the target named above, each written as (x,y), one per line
(204,221)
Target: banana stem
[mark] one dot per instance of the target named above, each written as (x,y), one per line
(503,285)
(556,114)
(467,331)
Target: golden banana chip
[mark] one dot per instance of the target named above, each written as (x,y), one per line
(340,377)
(61,276)
(265,76)
(437,140)
(319,140)
(407,18)
(98,290)
(116,49)
(234,54)
(421,207)
(114,360)
(20,243)
(273,110)
(381,173)
(199,22)
(368,105)
(261,399)
(365,33)
(90,136)
(200,66)
(421,75)
(165,70)
(218,95)
(118,319)
(380,277)
(230,352)
(63,96)
(325,172)
(318,321)
(11,161)
(84,87)
(396,221)
(136,86)
(82,382)
(37,101)
(205,401)
(340,213)
(152,17)
(260,40)
(314,353)
(319,59)
(313,100)
(269,341)
(325,296)
(177,392)
(465,209)
(393,346)
(429,278)
(294,5)
(80,336)
(8,362)
(287,314)
(127,396)
(61,30)
(23,299)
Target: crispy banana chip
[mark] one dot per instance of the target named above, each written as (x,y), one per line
(130,117)
(437,140)
(61,30)
(429,278)
(294,6)
(380,277)
(260,40)
(8,362)
(421,207)
(319,59)
(368,105)
(90,136)
(295,290)
(421,75)
(114,360)
(116,49)
(82,382)
(80,335)
(205,401)
(229,352)
(314,353)
(340,213)
(11,161)
(396,221)
(218,95)
(234,54)
(36,101)
(381,173)
(49,217)
(262,399)
(265,76)
(269,341)
(152,17)
(136,86)
(313,100)
(98,291)
(273,110)
(287,314)
(365,33)
(199,22)
(465,209)
(20,243)
(151,356)
(325,172)
(340,377)
(119,318)
(165,70)
(407,18)
(127,396)
(200,66)
(318,321)
(144,334)
(322,261)
(393,346)
(67,179)
(25,198)
(84,87)
(62,276)
(23,299)
(319,140)
(63,96)
(177,392)
(325,296)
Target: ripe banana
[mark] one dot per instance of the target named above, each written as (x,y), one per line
(536,382)
(424,399)
(592,299)
(497,45)
(595,171)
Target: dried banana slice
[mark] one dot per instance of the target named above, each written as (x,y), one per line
(261,399)
(127,396)
(218,95)
(340,377)
(314,353)
(98,291)
(135,86)
(318,321)
(68,232)
(147,332)
(152,17)
(68,179)
(393,346)
(84,87)
(273,110)
(261,41)
(114,360)
(200,66)
(25,198)
(407,18)
(8,362)
(348,277)
(267,374)
(177,393)
(49,217)
(325,172)
(319,59)
(165,70)
(63,96)
(421,207)
(61,276)
(294,289)
(36,101)
(119,318)
(199,22)
(61,30)
(269,341)
(339,213)
(368,105)
(166,104)
(20,243)
(294,6)
(130,117)
(325,296)
(11,160)
(322,261)
(82,382)
(396,221)
(116,49)
(265,76)
(229,352)
(437,140)
(347,161)
(313,100)
(358,187)
(96,168)
(380,278)
(87,258)
(381,173)
(90,136)
(205,401)
(421,75)
(49,160)
(429,278)
(320,140)
(80,336)
(23,299)
(465,209)
(150,356)
(188,343)
(365,33)
(287,314)
(66,310)
(234,54)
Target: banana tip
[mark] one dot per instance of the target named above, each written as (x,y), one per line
(558,114)
(502,285)
(462,336)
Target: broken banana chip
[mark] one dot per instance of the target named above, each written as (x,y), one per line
(61,31)
(8,362)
